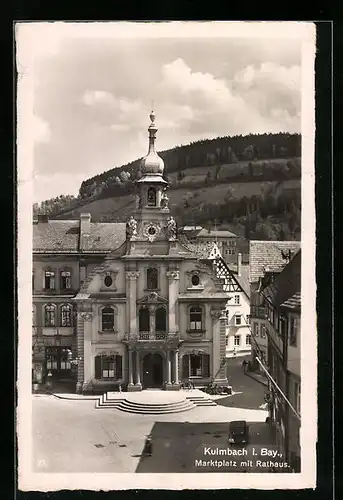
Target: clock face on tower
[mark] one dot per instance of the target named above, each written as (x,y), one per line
(151,230)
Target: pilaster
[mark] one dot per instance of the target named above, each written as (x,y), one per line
(173,283)
(131,279)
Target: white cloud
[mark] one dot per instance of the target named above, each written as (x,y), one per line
(41,130)
(94,97)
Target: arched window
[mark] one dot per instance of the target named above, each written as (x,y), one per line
(160,320)
(66,312)
(107,319)
(152,278)
(144,320)
(195,318)
(50,315)
(152,197)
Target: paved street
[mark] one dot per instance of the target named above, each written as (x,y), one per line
(72,436)
(250,392)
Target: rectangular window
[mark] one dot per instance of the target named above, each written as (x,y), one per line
(248,319)
(195,318)
(238,319)
(293,334)
(65,280)
(107,367)
(237,299)
(227,340)
(237,340)
(256,329)
(263,332)
(248,339)
(195,365)
(49,280)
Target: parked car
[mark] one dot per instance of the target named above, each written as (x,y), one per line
(238,432)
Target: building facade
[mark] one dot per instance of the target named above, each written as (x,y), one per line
(266,260)
(138,308)
(237,286)
(280,295)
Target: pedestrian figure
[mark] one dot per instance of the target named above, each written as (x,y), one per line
(120,388)
(244,364)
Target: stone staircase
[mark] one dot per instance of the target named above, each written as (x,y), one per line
(153,403)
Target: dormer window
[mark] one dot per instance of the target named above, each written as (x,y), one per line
(151,197)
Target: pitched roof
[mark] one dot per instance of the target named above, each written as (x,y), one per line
(217,233)
(64,236)
(293,302)
(286,285)
(201,250)
(243,279)
(267,256)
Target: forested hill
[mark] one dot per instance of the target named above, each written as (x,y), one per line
(204,153)
(251,182)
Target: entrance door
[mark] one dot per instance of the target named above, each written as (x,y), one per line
(152,370)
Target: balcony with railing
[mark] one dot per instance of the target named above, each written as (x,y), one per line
(156,337)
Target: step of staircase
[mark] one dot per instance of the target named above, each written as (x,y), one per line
(152,403)
(202,401)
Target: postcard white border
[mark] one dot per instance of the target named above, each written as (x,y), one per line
(31,37)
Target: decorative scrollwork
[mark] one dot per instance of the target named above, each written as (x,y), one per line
(132,275)
(86,316)
(173,275)
(217,313)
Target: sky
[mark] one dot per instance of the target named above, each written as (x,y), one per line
(93,91)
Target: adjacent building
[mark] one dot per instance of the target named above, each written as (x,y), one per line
(225,240)
(277,304)
(266,260)
(126,304)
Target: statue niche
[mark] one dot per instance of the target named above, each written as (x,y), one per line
(131,228)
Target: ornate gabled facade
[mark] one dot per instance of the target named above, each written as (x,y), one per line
(149,313)
(236,284)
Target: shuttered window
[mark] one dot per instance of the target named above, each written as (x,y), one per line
(195,365)
(108,367)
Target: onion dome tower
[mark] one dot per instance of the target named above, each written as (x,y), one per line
(152,185)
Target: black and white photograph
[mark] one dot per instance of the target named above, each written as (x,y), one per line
(166,255)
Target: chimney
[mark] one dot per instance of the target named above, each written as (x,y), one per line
(239,264)
(85,230)
(43,218)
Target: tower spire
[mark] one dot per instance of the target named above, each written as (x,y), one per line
(152,132)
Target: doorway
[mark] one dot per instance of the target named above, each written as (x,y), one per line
(152,370)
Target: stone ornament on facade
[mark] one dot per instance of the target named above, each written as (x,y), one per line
(173,275)
(216,314)
(132,275)
(151,231)
(164,201)
(86,316)
(131,228)
(171,228)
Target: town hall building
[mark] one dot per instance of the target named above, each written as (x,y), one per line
(126,304)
